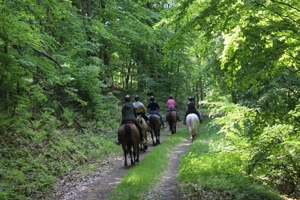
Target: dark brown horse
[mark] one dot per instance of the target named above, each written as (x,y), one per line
(171,118)
(129,138)
(155,125)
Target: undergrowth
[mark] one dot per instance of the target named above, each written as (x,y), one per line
(35,157)
(210,170)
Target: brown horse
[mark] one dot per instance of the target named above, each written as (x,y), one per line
(142,122)
(171,118)
(129,138)
(155,125)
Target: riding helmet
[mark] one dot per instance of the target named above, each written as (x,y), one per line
(190,98)
(193,98)
(152,98)
(127,98)
(171,97)
(136,97)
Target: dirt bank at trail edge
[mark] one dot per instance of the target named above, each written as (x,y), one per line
(110,174)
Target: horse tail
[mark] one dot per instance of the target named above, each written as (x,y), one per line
(128,133)
(152,123)
(192,120)
(170,117)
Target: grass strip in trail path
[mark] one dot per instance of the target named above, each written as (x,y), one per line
(142,177)
(210,170)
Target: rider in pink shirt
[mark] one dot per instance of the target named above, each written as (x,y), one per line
(171,103)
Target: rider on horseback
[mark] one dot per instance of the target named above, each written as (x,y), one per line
(140,108)
(191,107)
(129,115)
(171,103)
(153,108)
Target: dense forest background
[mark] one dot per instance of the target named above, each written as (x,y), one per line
(65,66)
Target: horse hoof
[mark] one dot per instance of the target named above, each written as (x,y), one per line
(145,147)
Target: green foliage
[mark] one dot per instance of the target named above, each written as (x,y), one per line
(250,60)
(32,162)
(213,168)
(67,65)
(270,154)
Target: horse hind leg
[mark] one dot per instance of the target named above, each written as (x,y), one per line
(125,157)
(152,137)
(193,135)
(137,155)
(157,138)
(134,157)
(131,158)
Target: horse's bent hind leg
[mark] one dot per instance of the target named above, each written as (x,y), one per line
(157,137)
(125,156)
(130,153)
(152,137)
(134,157)
(138,155)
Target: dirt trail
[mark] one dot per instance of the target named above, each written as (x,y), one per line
(100,186)
(167,188)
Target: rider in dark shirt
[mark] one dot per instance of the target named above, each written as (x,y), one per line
(129,115)
(153,108)
(191,107)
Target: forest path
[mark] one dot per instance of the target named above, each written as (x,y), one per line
(104,181)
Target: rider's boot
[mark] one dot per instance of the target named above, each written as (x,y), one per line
(184,122)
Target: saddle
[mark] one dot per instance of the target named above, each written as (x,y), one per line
(128,121)
(171,109)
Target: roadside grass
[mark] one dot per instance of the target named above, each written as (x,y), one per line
(209,170)
(141,177)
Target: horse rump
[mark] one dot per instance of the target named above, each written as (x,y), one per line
(155,124)
(192,121)
(129,138)
(171,117)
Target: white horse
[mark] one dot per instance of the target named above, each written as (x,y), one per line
(192,121)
